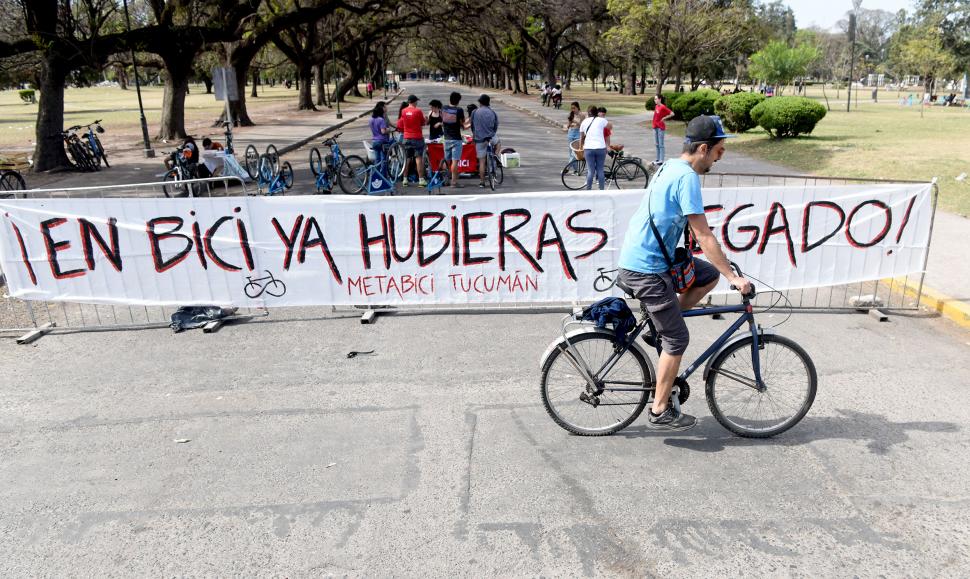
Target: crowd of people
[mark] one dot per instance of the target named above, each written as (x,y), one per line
(445,123)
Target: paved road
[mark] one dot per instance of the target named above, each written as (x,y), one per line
(433,456)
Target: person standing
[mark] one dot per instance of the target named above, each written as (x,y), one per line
(379,131)
(573,121)
(412,122)
(673,201)
(452,121)
(484,126)
(660,116)
(370,90)
(435,123)
(593,141)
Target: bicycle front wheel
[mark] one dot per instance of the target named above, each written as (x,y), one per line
(396,160)
(316,162)
(252,162)
(498,170)
(174,185)
(787,372)
(575,406)
(630,175)
(352,175)
(574,175)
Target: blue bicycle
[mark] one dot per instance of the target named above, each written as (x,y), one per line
(324,168)
(758,384)
(356,176)
(94,143)
(270,179)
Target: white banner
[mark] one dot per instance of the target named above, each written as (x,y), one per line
(528,247)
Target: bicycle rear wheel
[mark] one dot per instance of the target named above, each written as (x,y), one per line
(316,162)
(101,153)
(11,181)
(396,160)
(787,372)
(498,170)
(274,157)
(568,398)
(630,175)
(174,185)
(352,175)
(574,175)
(252,162)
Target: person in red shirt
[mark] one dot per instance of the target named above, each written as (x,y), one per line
(660,114)
(412,124)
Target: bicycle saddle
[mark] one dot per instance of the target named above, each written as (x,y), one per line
(626,289)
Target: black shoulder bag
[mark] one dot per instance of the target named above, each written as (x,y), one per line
(681,267)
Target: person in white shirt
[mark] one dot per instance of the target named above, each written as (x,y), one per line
(593,141)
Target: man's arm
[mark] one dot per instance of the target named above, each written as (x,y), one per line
(714,253)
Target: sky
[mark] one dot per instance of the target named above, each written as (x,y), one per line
(825,13)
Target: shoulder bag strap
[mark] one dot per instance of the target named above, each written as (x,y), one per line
(653,226)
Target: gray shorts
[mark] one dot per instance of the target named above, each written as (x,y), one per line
(656,292)
(482,147)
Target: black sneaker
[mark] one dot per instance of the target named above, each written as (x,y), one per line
(670,419)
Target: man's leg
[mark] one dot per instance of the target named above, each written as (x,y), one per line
(667,368)
(481,169)
(706,278)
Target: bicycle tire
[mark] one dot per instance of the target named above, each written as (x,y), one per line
(396,161)
(630,174)
(93,156)
(101,154)
(352,175)
(178,188)
(286,174)
(738,355)
(274,156)
(498,170)
(252,162)
(316,162)
(11,180)
(574,175)
(595,347)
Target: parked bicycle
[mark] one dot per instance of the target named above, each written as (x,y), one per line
(271,179)
(623,172)
(227,126)
(80,153)
(94,143)
(324,168)
(357,175)
(180,169)
(438,178)
(758,384)
(251,162)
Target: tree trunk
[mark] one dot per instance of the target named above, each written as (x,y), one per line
(49,150)
(255,81)
(321,94)
(303,82)
(551,66)
(122,75)
(173,104)
(207,81)
(632,89)
(516,86)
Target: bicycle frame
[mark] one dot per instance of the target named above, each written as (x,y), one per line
(747,316)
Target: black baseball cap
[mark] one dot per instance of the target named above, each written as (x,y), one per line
(413,98)
(706,128)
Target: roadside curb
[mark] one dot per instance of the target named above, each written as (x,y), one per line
(952,309)
(521,109)
(302,142)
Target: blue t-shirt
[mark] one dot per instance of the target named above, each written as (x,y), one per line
(377,124)
(674,193)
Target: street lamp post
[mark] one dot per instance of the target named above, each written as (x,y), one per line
(149,152)
(333,62)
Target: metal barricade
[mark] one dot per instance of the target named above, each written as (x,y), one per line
(30,319)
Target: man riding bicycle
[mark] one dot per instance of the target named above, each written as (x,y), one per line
(673,201)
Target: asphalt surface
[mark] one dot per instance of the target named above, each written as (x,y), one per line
(263,450)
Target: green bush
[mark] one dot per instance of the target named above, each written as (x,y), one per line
(735,110)
(694,103)
(788,116)
(27,96)
(669,97)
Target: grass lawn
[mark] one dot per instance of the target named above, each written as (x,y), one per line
(118,109)
(884,140)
